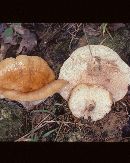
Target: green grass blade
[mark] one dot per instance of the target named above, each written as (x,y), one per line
(48,133)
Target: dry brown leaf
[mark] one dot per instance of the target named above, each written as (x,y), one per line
(28,42)
(91,31)
(10,40)
(18,28)
(3,26)
(116,26)
(3,50)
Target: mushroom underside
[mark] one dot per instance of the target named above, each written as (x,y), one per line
(90,101)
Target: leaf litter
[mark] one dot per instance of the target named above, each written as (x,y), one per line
(9,35)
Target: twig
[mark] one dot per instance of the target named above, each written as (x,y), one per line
(58,131)
(89,48)
(73,37)
(43,123)
(125,138)
(37,127)
(74,33)
(109,33)
(52,121)
(87,40)
(125,108)
(102,41)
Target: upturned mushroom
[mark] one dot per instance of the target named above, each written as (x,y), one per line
(103,69)
(27,79)
(90,100)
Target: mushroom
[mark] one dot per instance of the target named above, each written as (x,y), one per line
(90,101)
(95,65)
(27,79)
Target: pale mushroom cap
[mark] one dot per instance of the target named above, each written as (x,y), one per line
(106,69)
(90,100)
(25,73)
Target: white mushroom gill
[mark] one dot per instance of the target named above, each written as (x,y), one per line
(90,100)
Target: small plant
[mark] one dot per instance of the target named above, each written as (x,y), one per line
(104,29)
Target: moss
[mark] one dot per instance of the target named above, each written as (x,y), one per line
(10,122)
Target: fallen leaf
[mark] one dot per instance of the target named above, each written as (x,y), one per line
(91,31)
(3,26)
(82,41)
(116,26)
(18,28)
(3,50)
(9,40)
(28,42)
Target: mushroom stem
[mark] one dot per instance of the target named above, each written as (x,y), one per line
(42,93)
(91,107)
(88,109)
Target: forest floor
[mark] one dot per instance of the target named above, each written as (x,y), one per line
(52,120)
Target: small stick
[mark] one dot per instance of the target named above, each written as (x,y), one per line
(37,127)
(102,41)
(88,46)
(87,40)
(58,131)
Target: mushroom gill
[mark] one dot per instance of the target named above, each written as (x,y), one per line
(90,101)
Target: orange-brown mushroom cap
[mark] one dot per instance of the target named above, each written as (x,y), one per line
(25,73)
(27,79)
